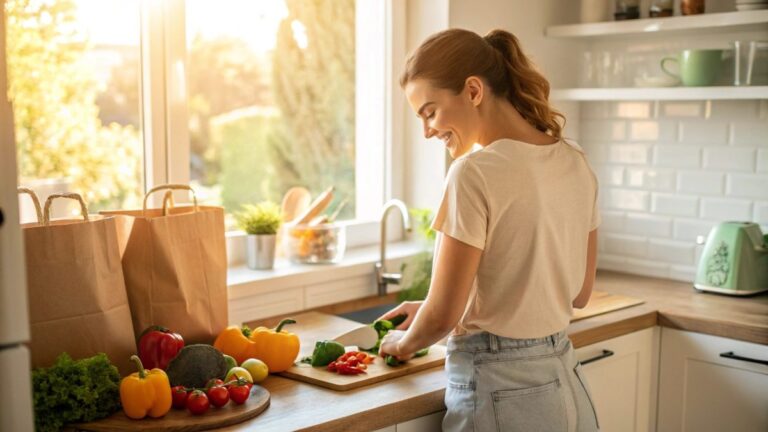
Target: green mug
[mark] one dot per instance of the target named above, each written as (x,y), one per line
(698,67)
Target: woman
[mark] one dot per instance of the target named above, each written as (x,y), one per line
(517,250)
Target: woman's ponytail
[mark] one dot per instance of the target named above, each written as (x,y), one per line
(528,90)
(449,57)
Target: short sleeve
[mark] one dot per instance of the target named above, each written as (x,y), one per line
(463,211)
(596,219)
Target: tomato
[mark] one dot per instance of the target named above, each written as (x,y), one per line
(218,395)
(239,393)
(197,402)
(179,394)
(213,382)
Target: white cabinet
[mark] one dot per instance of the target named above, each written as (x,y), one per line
(621,375)
(428,423)
(700,390)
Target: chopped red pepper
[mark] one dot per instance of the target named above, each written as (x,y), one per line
(351,363)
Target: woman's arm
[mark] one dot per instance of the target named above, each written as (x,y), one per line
(454,271)
(582,299)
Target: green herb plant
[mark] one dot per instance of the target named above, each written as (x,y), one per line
(74,391)
(421,275)
(262,218)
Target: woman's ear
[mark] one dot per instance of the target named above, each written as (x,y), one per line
(475,89)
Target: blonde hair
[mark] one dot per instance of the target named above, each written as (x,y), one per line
(448,58)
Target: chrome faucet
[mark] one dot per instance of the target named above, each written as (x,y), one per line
(382,277)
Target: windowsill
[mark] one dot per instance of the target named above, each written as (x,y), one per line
(358,261)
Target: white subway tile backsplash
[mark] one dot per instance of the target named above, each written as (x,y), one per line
(683,109)
(725,209)
(698,182)
(633,110)
(762,160)
(735,110)
(704,132)
(748,185)
(646,225)
(614,130)
(625,245)
(674,205)
(625,199)
(677,156)
(690,229)
(610,175)
(671,251)
(752,134)
(669,172)
(628,153)
(761,214)
(682,273)
(651,178)
(729,159)
(653,131)
(647,268)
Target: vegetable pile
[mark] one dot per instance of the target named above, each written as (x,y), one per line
(74,391)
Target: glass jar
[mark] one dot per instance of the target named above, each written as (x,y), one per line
(661,8)
(316,244)
(626,9)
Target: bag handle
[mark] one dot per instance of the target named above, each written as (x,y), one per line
(35,201)
(169,187)
(168,202)
(74,196)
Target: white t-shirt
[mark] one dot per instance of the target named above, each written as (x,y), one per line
(530,208)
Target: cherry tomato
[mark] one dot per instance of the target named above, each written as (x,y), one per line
(180,395)
(239,393)
(213,382)
(197,402)
(218,395)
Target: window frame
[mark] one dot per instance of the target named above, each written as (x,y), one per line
(378,108)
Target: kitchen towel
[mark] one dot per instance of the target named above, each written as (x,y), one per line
(77,296)
(175,265)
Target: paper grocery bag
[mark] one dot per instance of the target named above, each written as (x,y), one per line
(175,266)
(76,290)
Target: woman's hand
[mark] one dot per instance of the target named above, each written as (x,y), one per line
(391,345)
(408,308)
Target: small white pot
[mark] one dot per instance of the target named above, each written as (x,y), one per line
(260,251)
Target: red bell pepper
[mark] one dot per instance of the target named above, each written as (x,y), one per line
(158,346)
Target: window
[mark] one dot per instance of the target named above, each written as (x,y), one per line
(271,99)
(73,68)
(242,99)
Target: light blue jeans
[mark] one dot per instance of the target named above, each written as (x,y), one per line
(501,384)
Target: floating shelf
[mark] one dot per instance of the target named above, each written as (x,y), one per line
(742,20)
(660,93)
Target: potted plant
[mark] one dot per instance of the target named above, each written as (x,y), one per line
(261,223)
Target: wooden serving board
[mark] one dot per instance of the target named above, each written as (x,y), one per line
(602,302)
(184,421)
(315,326)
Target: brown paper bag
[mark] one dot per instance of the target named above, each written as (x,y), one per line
(77,296)
(175,266)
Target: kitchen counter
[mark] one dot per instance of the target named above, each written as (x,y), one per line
(300,406)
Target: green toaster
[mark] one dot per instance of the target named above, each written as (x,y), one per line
(734,260)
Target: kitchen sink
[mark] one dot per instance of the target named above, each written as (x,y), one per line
(367,316)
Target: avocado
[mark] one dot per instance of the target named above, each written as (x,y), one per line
(195,364)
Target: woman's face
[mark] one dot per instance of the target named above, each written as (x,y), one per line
(448,116)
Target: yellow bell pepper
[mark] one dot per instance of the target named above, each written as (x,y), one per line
(276,348)
(145,392)
(233,341)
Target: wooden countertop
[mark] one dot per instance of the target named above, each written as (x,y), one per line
(304,407)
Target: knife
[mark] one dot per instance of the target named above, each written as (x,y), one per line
(363,337)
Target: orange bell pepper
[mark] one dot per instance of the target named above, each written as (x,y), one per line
(145,392)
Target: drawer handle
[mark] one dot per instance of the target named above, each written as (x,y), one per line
(731,355)
(606,353)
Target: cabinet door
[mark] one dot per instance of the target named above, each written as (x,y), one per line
(622,384)
(428,423)
(699,390)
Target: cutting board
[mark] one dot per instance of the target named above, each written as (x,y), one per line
(183,420)
(315,326)
(602,302)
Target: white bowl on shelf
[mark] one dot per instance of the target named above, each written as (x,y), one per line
(656,81)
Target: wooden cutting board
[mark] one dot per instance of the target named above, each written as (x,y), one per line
(183,420)
(315,326)
(602,302)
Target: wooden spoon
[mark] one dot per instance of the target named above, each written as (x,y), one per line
(295,202)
